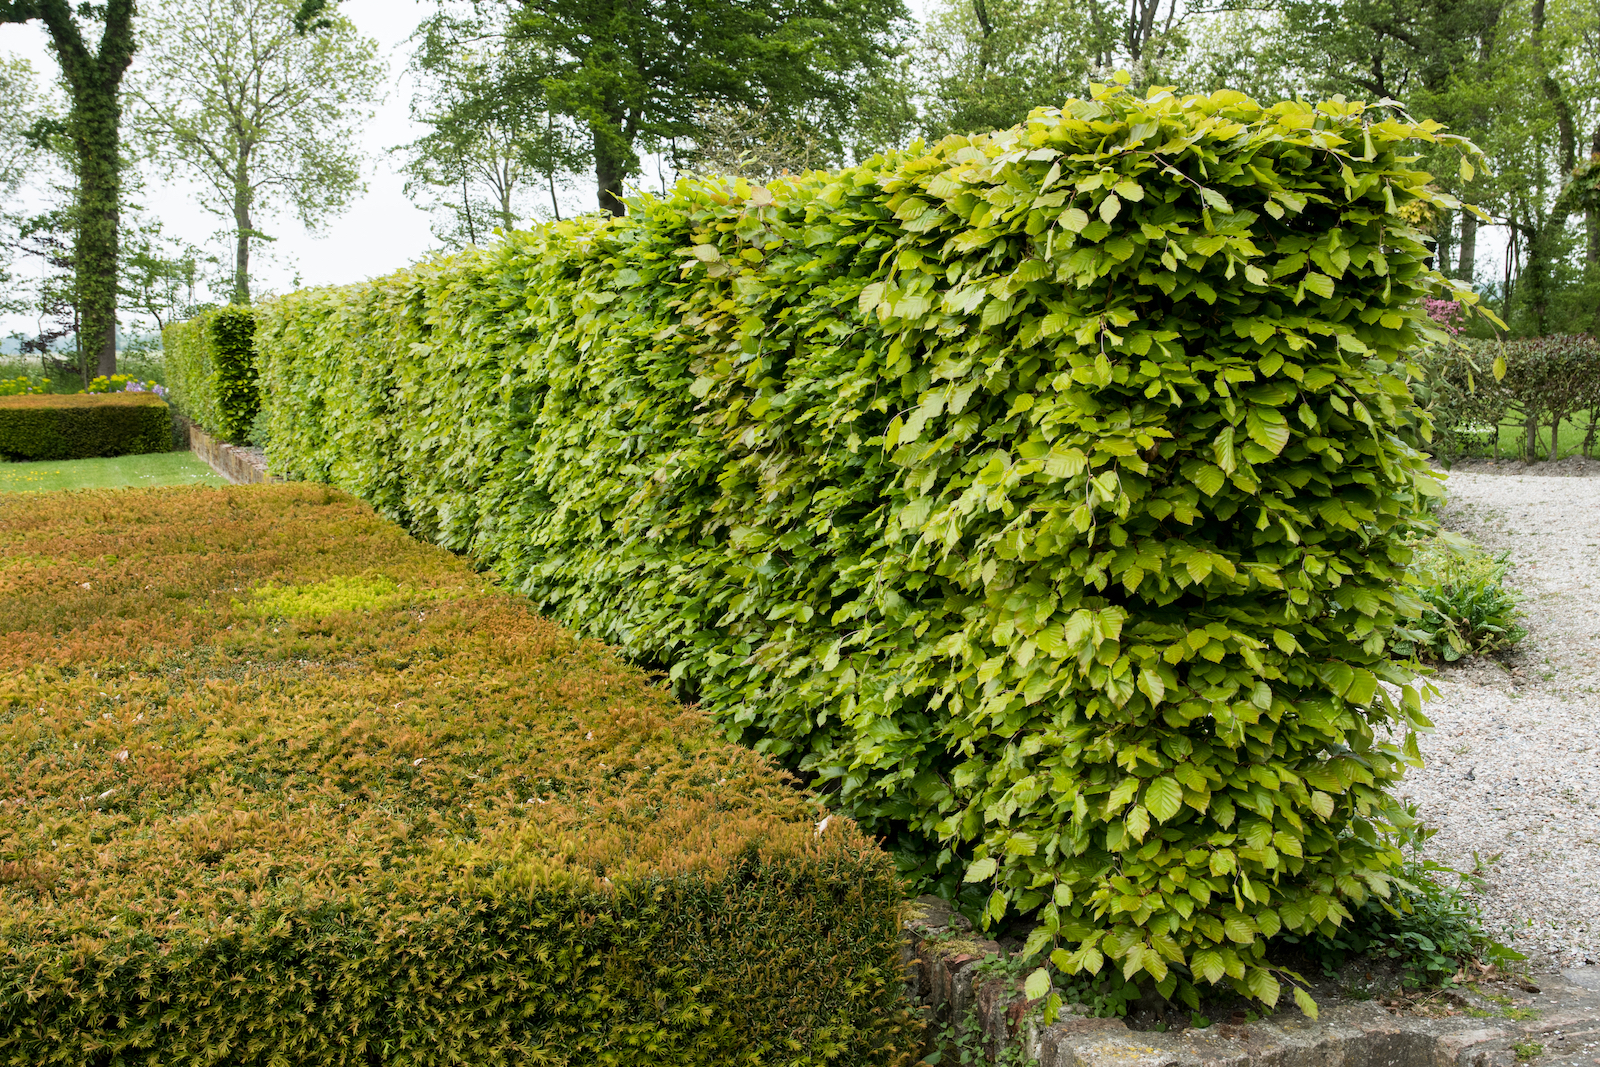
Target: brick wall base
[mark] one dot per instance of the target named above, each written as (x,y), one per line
(240,466)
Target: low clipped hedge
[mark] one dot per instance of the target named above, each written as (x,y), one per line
(211,370)
(283,786)
(79,426)
(1041,496)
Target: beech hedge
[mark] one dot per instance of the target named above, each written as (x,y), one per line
(1472,386)
(211,370)
(1038,495)
(82,426)
(284,786)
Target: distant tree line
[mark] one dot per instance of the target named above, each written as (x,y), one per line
(259,102)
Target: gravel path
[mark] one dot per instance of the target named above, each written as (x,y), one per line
(1513,768)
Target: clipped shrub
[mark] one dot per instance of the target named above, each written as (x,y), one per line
(78,426)
(1037,495)
(284,786)
(211,370)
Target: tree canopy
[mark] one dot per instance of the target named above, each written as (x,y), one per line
(635,73)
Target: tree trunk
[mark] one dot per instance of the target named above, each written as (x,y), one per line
(95,247)
(1467,257)
(610,168)
(1591,230)
(980,10)
(242,232)
(1536,271)
(1445,240)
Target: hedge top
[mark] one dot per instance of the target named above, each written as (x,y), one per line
(1044,494)
(81,400)
(303,709)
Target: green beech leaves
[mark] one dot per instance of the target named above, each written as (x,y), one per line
(1038,495)
(210,362)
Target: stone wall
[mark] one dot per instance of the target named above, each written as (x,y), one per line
(242,466)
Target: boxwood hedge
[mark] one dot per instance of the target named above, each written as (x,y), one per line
(1037,494)
(80,426)
(280,785)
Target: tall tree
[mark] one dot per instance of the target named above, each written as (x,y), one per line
(262,114)
(93,79)
(488,152)
(636,72)
(987,63)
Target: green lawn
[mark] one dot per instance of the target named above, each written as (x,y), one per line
(157,468)
(1513,433)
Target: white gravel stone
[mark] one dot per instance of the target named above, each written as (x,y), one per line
(1512,780)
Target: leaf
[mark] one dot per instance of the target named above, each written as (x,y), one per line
(1074,219)
(1164,797)
(1468,172)
(1129,190)
(1137,822)
(1151,686)
(1262,985)
(1267,428)
(1109,207)
(1222,448)
(1303,1000)
(1322,804)
(980,870)
(1209,479)
(1320,284)
(1207,963)
(1038,984)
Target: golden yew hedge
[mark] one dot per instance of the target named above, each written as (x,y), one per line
(280,785)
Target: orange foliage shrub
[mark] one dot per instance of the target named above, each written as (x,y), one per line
(419,827)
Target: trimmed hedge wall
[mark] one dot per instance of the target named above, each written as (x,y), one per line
(211,370)
(1039,495)
(285,786)
(1472,386)
(81,426)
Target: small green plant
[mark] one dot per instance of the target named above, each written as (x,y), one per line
(344,593)
(962,1042)
(1106,995)
(1527,1050)
(1467,610)
(1430,927)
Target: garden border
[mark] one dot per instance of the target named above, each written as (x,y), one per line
(1557,1012)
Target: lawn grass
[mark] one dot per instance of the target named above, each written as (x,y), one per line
(113,472)
(1513,432)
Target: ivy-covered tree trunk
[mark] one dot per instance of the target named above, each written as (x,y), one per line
(95,134)
(94,81)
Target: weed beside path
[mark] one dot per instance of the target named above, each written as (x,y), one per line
(115,472)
